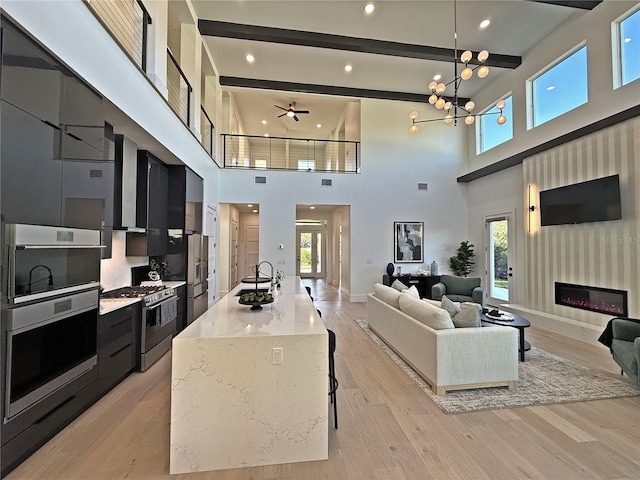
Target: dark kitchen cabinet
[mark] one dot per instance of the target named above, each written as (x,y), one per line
(151,208)
(55,169)
(116,351)
(181,293)
(185,200)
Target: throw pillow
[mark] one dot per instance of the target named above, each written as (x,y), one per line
(435,303)
(434,317)
(467,317)
(398,285)
(387,294)
(413,291)
(471,305)
(449,306)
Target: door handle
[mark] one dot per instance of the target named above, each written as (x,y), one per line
(511,275)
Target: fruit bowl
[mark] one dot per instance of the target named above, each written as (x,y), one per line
(256,300)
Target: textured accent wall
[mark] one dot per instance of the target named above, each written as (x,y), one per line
(600,254)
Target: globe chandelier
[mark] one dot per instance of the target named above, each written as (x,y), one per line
(451,105)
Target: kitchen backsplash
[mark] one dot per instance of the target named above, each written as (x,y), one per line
(115,272)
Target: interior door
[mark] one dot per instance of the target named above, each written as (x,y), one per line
(500,259)
(311,252)
(251,249)
(233,255)
(211,229)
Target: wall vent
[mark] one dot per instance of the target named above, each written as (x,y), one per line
(260,180)
(422,186)
(327,182)
(95,173)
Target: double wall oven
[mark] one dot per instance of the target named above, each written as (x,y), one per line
(50,290)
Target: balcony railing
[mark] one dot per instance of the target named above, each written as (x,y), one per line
(127,22)
(279,153)
(207,132)
(179,89)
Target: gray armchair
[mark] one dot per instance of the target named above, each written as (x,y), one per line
(458,289)
(625,346)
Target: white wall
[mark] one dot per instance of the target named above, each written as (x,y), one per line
(386,191)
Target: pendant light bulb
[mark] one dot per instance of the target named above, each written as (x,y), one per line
(432,86)
(483,71)
(448,119)
(413,129)
(469,106)
(466,73)
(441,88)
(466,56)
(447,106)
(440,103)
(413,115)
(469,119)
(482,56)
(501,119)
(500,104)
(433,98)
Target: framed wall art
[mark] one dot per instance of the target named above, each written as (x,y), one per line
(408,240)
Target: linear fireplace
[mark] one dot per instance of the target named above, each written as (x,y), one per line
(595,299)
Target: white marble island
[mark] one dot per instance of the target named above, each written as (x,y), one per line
(231,406)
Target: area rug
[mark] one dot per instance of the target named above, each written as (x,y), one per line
(543,379)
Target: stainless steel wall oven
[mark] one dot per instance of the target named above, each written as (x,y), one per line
(50,295)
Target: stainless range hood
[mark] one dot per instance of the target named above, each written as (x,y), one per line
(126,169)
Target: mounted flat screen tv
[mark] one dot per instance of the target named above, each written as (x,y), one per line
(592,201)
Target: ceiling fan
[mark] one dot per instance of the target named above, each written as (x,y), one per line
(291,111)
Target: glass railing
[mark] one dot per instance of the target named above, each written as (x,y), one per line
(179,89)
(301,154)
(127,22)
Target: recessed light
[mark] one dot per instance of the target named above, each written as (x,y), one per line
(485,23)
(312,207)
(369,8)
(550,87)
(250,58)
(266,135)
(437,77)
(348,68)
(318,125)
(250,205)
(264,122)
(255,211)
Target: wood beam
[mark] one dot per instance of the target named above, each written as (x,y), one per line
(212,28)
(583,4)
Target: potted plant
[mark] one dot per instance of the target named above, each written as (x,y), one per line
(462,262)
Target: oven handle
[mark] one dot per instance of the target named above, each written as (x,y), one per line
(52,247)
(161,303)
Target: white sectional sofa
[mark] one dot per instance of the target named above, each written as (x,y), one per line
(448,358)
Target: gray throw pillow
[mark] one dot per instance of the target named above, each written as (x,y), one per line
(398,285)
(467,317)
(449,306)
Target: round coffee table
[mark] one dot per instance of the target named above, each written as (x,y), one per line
(517,322)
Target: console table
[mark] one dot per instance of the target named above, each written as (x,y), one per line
(422,282)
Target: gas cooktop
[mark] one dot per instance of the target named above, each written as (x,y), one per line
(149,294)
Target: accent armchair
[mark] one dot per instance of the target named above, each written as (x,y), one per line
(625,346)
(458,289)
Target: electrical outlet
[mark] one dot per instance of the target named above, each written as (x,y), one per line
(276,356)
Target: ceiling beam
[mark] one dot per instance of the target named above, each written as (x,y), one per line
(212,28)
(325,89)
(583,4)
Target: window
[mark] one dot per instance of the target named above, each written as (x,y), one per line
(490,133)
(561,88)
(260,163)
(307,165)
(628,46)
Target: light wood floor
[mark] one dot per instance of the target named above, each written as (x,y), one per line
(388,428)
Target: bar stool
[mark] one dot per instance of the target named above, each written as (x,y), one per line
(333,382)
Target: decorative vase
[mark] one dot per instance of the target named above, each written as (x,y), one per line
(434,268)
(390,269)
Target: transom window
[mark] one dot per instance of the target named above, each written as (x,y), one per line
(490,134)
(627,33)
(560,88)
(307,165)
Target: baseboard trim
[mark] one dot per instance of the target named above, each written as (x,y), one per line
(567,327)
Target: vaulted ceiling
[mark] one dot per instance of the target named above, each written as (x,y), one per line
(301,49)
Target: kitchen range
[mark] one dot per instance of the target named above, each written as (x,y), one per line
(157,320)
